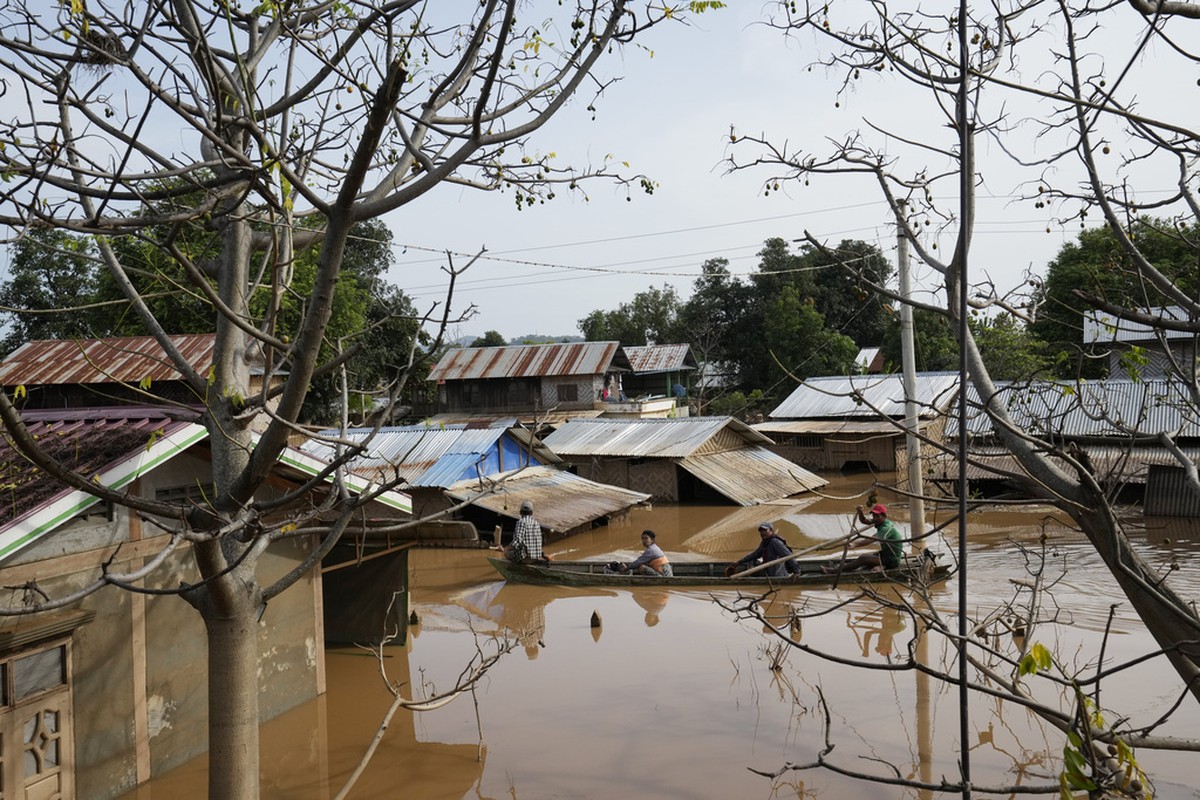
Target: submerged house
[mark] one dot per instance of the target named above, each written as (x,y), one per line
(856,421)
(111,690)
(703,459)
(474,478)
(1110,427)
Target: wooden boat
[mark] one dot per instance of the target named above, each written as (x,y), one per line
(712,573)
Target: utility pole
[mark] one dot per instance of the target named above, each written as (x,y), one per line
(908,361)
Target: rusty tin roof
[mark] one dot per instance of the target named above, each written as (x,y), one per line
(660,358)
(124,359)
(530,361)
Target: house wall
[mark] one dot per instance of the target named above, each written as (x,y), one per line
(140,692)
(566,392)
(656,477)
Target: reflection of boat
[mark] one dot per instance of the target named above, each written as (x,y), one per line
(711,573)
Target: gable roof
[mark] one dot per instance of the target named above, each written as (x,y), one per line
(111,446)
(645,438)
(124,359)
(428,455)
(660,358)
(529,361)
(837,396)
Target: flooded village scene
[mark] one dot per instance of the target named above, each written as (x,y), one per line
(599,399)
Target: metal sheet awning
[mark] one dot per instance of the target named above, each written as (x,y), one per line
(752,475)
(561,500)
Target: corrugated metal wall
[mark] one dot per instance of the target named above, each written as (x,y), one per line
(1168,495)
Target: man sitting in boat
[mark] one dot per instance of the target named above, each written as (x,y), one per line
(891,543)
(771,548)
(526,543)
(652,561)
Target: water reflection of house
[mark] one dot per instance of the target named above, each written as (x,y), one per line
(856,421)
(695,459)
(111,689)
(477,477)
(1111,426)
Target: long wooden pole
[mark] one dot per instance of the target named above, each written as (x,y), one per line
(797,554)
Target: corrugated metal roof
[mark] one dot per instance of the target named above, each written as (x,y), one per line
(751,475)
(866,396)
(1100,327)
(644,438)
(1110,463)
(126,359)
(660,358)
(1088,409)
(411,451)
(529,361)
(826,426)
(561,500)
(448,469)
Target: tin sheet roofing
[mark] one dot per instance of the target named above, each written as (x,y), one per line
(826,426)
(660,358)
(412,450)
(529,361)
(867,396)
(1110,463)
(1088,409)
(561,500)
(1100,327)
(126,359)
(644,438)
(751,475)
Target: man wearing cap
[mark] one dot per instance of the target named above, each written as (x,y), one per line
(891,542)
(771,547)
(527,538)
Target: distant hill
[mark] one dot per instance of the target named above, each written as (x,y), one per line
(531,338)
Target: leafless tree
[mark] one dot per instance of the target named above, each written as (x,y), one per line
(1061,89)
(227,138)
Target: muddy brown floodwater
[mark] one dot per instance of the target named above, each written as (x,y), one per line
(674,696)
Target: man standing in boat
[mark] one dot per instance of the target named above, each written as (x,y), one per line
(526,543)
(771,547)
(891,543)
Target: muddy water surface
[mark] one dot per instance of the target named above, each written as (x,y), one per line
(676,696)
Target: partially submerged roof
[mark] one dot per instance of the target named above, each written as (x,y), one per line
(653,358)
(112,447)
(530,361)
(722,452)
(1104,408)
(561,500)
(124,359)
(427,455)
(867,396)
(650,438)
(827,427)
(751,475)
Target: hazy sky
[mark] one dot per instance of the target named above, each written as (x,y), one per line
(670,117)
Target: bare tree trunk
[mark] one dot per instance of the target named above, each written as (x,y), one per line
(233,715)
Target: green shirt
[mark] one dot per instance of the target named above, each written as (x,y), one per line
(891,546)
